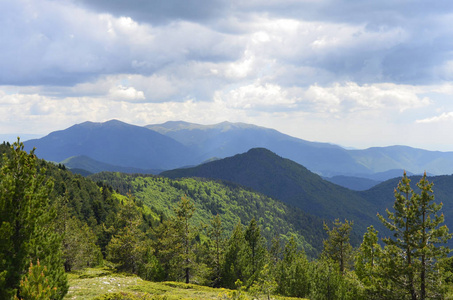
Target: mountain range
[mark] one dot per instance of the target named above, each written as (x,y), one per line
(260,169)
(114,145)
(293,184)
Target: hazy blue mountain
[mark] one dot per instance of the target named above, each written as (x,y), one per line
(180,144)
(362,182)
(291,183)
(378,163)
(380,159)
(82,162)
(285,180)
(353,183)
(227,139)
(114,143)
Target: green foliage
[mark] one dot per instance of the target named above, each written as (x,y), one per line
(367,262)
(79,241)
(231,202)
(27,231)
(216,244)
(183,239)
(337,246)
(35,285)
(409,265)
(254,252)
(128,245)
(233,268)
(293,272)
(265,283)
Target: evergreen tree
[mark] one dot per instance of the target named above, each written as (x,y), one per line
(127,247)
(179,241)
(429,234)
(35,285)
(255,251)
(215,233)
(367,261)
(79,241)
(293,272)
(27,231)
(410,261)
(337,246)
(233,265)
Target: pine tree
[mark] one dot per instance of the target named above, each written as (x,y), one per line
(255,251)
(429,234)
(410,261)
(367,261)
(127,247)
(233,265)
(178,241)
(337,246)
(293,272)
(403,224)
(27,231)
(35,284)
(215,233)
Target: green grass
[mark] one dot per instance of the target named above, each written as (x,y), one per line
(96,282)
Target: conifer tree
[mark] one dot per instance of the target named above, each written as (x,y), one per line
(410,260)
(27,231)
(127,246)
(255,251)
(429,234)
(293,272)
(178,241)
(215,233)
(402,223)
(337,246)
(367,262)
(233,265)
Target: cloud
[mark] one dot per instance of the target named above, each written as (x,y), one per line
(161,12)
(59,43)
(256,96)
(351,97)
(128,94)
(328,63)
(444,117)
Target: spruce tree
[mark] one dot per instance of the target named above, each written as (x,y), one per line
(27,231)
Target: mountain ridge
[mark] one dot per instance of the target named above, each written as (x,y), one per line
(176,144)
(287,181)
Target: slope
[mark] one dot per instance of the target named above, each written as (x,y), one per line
(115,143)
(232,202)
(417,161)
(82,162)
(227,139)
(283,179)
(382,195)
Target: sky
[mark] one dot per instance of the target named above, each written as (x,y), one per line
(358,73)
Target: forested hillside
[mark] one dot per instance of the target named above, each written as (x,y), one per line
(230,201)
(211,233)
(285,180)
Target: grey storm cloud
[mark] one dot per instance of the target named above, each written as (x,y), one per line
(158,12)
(43,43)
